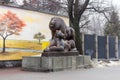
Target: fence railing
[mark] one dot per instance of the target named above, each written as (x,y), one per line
(101,47)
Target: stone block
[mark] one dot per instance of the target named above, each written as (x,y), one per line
(69,62)
(54,63)
(46,63)
(87,60)
(58,63)
(31,63)
(79,61)
(73,62)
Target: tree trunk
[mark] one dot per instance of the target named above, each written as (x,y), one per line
(78,39)
(75,11)
(39,41)
(4,45)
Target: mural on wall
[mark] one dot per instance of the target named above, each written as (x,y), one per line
(21,32)
(10,24)
(35,22)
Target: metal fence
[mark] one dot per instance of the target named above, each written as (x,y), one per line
(101,47)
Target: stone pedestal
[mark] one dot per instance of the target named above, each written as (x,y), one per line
(60,53)
(53,63)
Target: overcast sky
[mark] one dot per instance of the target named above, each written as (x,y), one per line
(115,2)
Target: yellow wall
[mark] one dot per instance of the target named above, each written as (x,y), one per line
(35,22)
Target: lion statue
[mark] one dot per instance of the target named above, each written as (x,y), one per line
(57,23)
(63,37)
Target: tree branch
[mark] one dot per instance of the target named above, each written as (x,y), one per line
(1,35)
(100,11)
(82,26)
(7,35)
(81,11)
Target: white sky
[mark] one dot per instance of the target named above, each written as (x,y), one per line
(18,1)
(115,2)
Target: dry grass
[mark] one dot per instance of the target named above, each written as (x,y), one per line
(21,44)
(34,45)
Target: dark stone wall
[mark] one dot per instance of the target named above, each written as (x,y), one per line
(10,63)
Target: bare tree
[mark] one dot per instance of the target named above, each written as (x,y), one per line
(96,25)
(45,5)
(75,10)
